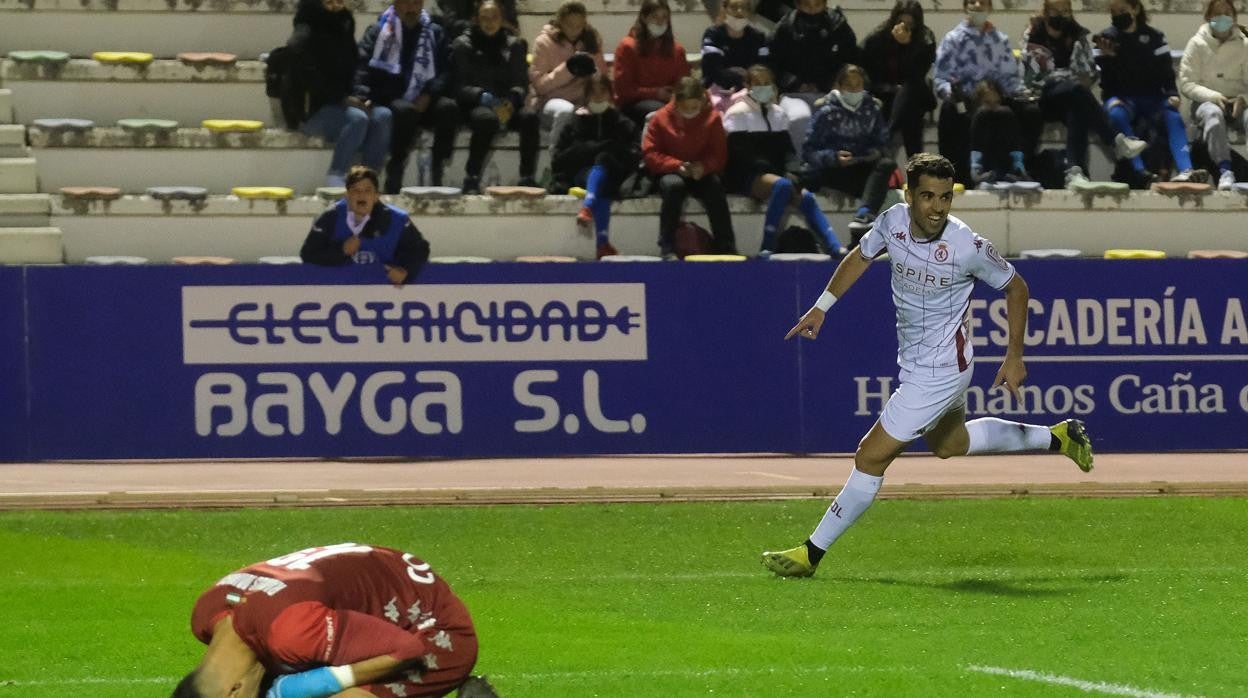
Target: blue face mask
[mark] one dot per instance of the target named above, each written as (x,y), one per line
(1221,24)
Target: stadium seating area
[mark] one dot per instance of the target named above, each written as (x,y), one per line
(140,123)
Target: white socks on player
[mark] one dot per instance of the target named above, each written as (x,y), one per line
(859,491)
(992,435)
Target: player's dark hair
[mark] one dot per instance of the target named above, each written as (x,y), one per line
(929,164)
(360,173)
(186,688)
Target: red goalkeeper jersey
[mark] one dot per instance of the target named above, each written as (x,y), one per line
(337,605)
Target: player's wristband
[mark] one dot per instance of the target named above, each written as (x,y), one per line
(826,299)
(315,683)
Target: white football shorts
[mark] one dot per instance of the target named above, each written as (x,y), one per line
(921,400)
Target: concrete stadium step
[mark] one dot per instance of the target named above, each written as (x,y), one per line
(471,226)
(18,176)
(6,105)
(31,246)
(25,210)
(500,229)
(12,141)
(248,29)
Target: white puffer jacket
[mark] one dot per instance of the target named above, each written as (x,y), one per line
(1212,68)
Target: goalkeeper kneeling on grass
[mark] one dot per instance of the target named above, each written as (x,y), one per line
(341,620)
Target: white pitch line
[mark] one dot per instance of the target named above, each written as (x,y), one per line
(1112,689)
(89,680)
(767,474)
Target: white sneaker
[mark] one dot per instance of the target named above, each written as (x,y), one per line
(1075,179)
(1192,176)
(1126,147)
(1227,181)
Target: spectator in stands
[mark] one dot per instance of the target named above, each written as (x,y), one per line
(1137,82)
(323,46)
(648,62)
(996,143)
(729,48)
(808,49)
(565,54)
(897,56)
(1214,76)
(970,53)
(362,229)
(457,16)
(1058,65)
(685,148)
(845,148)
(403,68)
(761,159)
(491,84)
(597,151)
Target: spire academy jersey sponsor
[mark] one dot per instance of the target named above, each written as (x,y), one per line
(932,282)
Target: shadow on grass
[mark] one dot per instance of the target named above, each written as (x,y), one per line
(1022,586)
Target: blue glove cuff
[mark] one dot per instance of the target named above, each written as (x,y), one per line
(315,683)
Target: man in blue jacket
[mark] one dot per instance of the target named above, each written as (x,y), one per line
(361,229)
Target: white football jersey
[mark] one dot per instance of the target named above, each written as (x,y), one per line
(932,281)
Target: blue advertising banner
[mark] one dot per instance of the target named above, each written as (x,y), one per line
(550,359)
(13,431)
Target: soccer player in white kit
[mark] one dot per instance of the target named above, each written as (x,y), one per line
(934,260)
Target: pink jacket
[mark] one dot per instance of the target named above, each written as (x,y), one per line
(548,74)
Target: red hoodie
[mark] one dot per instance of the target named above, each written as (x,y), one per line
(671,140)
(637,77)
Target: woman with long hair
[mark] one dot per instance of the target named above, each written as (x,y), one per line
(648,62)
(898,55)
(1214,76)
(566,53)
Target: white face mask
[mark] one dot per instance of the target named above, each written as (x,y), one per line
(978,17)
(853,100)
(737,23)
(689,114)
(656,30)
(763,94)
(598,107)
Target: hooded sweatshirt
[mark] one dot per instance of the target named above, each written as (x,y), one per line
(811,49)
(671,140)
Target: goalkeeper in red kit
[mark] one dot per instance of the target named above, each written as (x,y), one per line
(343,620)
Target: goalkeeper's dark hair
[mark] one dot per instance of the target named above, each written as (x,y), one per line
(187,687)
(929,164)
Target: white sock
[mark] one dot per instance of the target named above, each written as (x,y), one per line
(857,494)
(992,435)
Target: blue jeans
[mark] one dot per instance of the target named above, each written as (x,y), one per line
(1121,111)
(351,131)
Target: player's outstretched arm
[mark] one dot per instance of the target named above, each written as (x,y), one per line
(1013,372)
(846,275)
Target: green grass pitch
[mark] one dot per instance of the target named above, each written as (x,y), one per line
(1019,597)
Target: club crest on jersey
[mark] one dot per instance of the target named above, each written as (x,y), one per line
(900,235)
(942,252)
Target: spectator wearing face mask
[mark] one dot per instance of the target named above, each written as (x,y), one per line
(898,56)
(729,48)
(1058,65)
(970,53)
(844,149)
(808,49)
(1137,82)
(685,149)
(647,63)
(1214,76)
(761,159)
(596,151)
